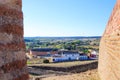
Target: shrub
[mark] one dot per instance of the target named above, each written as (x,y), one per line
(45,61)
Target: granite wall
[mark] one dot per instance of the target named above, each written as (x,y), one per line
(12,47)
(109,57)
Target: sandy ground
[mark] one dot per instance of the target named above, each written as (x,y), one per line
(38,74)
(88,75)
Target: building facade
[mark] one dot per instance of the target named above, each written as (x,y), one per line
(43,52)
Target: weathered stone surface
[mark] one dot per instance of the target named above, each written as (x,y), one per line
(109,57)
(12,47)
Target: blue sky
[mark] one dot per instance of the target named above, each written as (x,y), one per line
(66,17)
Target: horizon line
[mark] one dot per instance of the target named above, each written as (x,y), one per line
(62,36)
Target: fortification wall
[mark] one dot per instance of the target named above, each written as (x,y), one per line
(109,57)
(12,47)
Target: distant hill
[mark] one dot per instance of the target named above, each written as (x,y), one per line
(73,37)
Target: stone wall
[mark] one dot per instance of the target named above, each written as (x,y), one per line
(109,58)
(12,47)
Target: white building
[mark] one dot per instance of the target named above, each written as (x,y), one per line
(94,55)
(70,55)
(67,56)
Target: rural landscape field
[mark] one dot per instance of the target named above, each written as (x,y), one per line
(78,71)
(69,70)
(69,43)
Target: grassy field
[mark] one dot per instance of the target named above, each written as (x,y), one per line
(61,64)
(34,61)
